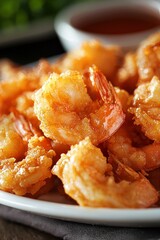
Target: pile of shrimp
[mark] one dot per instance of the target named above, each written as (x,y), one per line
(86,126)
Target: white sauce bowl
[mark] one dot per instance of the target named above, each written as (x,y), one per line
(71,37)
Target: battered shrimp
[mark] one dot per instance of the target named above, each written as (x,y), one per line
(43,70)
(122,146)
(69,110)
(21,80)
(8,69)
(125,99)
(88,179)
(127,75)
(29,174)
(146,108)
(106,58)
(10,139)
(12,88)
(24,106)
(16,130)
(148,58)
(24,103)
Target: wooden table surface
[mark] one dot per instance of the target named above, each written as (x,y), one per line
(14,231)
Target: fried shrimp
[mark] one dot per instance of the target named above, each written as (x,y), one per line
(16,130)
(29,174)
(125,99)
(69,110)
(19,81)
(148,58)
(85,126)
(106,58)
(88,179)
(24,106)
(43,70)
(146,108)
(121,146)
(127,75)
(12,88)
(8,69)
(24,103)
(10,139)
(24,127)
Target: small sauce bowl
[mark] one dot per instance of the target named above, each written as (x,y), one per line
(123,23)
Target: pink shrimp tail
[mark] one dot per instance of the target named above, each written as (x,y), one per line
(114,116)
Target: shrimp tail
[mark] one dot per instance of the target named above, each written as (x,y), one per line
(115,115)
(23,126)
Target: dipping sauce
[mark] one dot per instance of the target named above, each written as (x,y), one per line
(119,22)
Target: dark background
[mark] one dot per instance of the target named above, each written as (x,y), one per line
(32,50)
(18,16)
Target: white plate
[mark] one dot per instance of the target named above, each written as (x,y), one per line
(61,209)
(104,216)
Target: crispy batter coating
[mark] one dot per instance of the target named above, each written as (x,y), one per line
(106,58)
(146,108)
(123,146)
(10,139)
(88,123)
(72,106)
(29,174)
(127,75)
(148,58)
(88,179)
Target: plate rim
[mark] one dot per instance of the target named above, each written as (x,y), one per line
(75,213)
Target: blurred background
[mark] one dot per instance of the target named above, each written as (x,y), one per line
(26,26)
(21,12)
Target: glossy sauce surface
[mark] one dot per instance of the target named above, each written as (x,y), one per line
(119,22)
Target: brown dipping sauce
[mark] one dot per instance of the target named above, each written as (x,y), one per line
(119,22)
